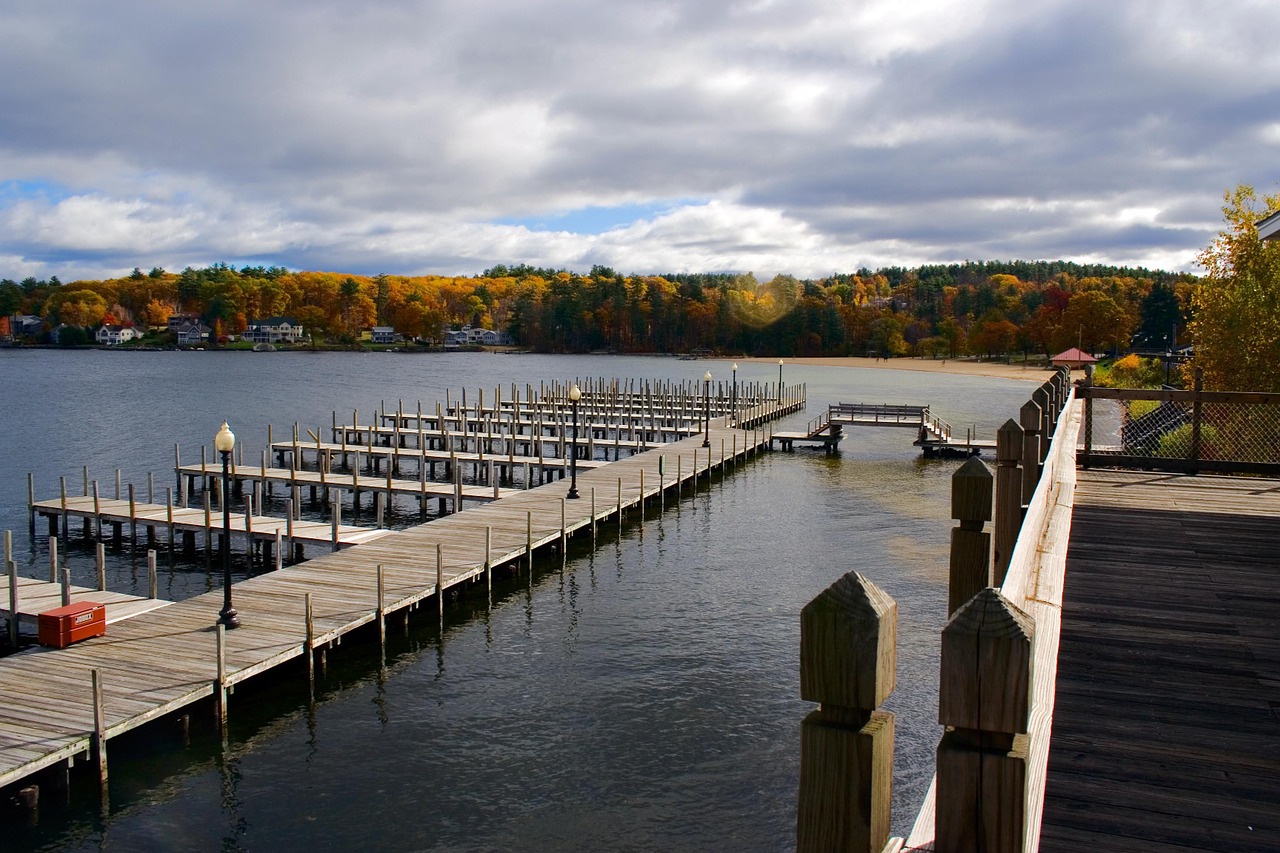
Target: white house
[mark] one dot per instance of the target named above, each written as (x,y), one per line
(475,337)
(112,335)
(273,330)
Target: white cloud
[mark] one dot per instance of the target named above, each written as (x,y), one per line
(827,134)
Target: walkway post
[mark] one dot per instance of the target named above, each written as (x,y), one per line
(848,637)
(971,488)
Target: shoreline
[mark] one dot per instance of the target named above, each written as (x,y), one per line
(955,367)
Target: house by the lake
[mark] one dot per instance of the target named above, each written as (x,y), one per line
(113,335)
(385,335)
(192,334)
(273,330)
(475,337)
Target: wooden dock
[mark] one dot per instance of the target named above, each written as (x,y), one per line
(1165,732)
(36,596)
(62,703)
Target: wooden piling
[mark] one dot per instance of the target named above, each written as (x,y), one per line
(53,559)
(970,564)
(220,682)
(440,578)
(11,569)
(98,742)
(382,618)
(64,583)
(848,653)
(100,564)
(310,643)
(151,575)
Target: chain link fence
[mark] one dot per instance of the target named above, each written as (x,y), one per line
(1183,430)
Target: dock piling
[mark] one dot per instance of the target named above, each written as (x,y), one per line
(970,564)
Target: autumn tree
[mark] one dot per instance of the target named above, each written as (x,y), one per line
(1236,306)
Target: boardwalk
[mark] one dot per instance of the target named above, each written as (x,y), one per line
(1165,733)
(163,661)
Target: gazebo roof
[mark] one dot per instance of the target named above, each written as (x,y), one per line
(1074,355)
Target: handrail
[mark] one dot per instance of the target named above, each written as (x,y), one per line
(1034,584)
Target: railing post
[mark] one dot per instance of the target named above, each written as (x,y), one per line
(1008,496)
(848,637)
(1197,389)
(1029,420)
(984,698)
(971,487)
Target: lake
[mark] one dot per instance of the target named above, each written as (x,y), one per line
(642,696)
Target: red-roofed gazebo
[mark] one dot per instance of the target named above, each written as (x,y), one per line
(1074,358)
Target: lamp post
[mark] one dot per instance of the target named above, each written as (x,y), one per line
(779,381)
(733,396)
(575,394)
(225,442)
(706,397)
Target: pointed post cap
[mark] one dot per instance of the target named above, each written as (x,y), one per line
(987,649)
(971,488)
(848,645)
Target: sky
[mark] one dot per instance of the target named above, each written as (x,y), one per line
(806,137)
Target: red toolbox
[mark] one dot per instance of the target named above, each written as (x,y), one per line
(72,623)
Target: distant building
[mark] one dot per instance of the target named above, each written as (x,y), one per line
(177,321)
(25,325)
(192,334)
(1269,228)
(1074,358)
(273,330)
(385,335)
(112,335)
(468,335)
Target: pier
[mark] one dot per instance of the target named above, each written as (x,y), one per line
(934,436)
(1108,667)
(64,704)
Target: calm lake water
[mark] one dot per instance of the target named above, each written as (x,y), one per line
(643,696)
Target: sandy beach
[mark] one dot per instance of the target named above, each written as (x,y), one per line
(1031,373)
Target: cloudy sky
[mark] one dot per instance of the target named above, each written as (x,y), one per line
(801,136)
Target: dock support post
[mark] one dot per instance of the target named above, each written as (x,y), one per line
(984,700)
(151,575)
(98,744)
(593,516)
(279,551)
(1008,507)
(220,684)
(440,579)
(335,516)
(31,503)
(11,568)
(53,559)
(848,654)
(564,529)
(970,565)
(62,488)
(100,563)
(528,539)
(488,560)
(382,621)
(64,585)
(620,518)
(310,644)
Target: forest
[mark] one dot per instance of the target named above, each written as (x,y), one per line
(986,308)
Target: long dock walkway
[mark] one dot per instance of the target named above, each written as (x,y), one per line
(36,596)
(163,661)
(1166,734)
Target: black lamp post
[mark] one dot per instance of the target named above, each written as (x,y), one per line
(575,394)
(779,381)
(706,396)
(225,442)
(733,396)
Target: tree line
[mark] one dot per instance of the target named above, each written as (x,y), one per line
(981,307)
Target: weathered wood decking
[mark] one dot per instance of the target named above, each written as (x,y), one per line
(1165,734)
(162,661)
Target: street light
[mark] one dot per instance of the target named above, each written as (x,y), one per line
(779,381)
(225,442)
(575,394)
(706,396)
(733,398)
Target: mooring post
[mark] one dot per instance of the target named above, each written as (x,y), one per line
(382,620)
(100,564)
(488,558)
(53,559)
(31,503)
(335,516)
(220,684)
(98,743)
(984,700)
(848,640)
(970,565)
(1008,507)
(309,643)
(528,539)
(440,579)
(11,568)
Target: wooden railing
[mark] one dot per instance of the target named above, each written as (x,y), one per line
(988,792)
